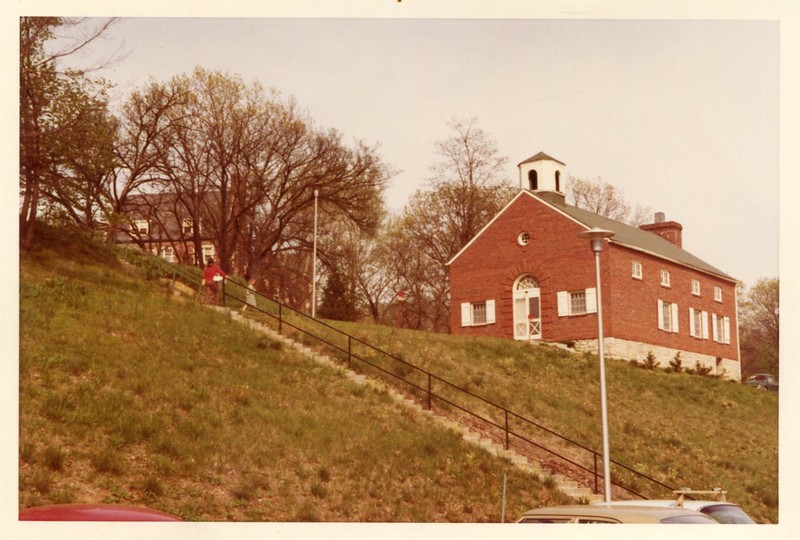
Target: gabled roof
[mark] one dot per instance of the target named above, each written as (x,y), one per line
(540,156)
(624,235)
(641,240)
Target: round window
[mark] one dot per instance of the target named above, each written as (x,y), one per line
(523,238)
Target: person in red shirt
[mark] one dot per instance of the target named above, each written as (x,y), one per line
(212,277)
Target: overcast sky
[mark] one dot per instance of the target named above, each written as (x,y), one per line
(682,115)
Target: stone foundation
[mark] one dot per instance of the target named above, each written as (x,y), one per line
(623,349)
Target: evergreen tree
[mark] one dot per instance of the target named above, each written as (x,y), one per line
(337,301)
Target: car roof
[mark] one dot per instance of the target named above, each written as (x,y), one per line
(722,511)
(621,512)
(689,504)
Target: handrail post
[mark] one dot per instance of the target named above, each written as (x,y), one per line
(506,412)
(280,319)
(349,350)
(596,487)
(430,402)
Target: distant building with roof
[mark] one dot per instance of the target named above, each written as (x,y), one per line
(160,223)
(528,276)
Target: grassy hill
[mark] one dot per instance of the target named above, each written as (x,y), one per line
(127,395)
(130,396)
(683,429)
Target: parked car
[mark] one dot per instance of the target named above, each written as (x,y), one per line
(720,510)
(613,513)
(93,512)
(765,381)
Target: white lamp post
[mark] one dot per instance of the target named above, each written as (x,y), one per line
(314,262)
(596,237)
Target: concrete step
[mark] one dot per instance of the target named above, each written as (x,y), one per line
(532,468)
(472,437)
(565,485)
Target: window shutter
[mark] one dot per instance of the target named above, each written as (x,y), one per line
(563,303)
(591,300)
(704,319)
(714,328)
(675,318)
(726,322)
(692,329)
(466,314)
(489,311)
(660,315)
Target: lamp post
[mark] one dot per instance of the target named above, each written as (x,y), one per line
(314,262)
(596,237)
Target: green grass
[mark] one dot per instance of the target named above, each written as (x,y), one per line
(131,395)
(682,429)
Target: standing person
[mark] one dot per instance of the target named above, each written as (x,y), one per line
(212,276)
(250,292)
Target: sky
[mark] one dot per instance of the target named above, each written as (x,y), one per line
(682,115)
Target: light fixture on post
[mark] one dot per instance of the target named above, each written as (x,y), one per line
(314,262)
(596,237)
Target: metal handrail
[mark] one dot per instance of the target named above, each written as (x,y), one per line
(428,390)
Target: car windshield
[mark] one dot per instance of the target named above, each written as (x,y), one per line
(687,519)
(726,513)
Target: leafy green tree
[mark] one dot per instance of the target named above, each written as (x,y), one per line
(338,302)
(759,324)
(54,105)
(83,154)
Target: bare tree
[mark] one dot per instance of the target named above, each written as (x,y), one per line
(242,165)
(465,192)
(606,200)
(469,168)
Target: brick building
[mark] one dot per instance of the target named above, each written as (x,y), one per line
(160,224)
(528,276)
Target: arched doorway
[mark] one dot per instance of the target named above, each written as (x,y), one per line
(527,308)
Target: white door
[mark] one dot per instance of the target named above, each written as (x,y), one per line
(527,309)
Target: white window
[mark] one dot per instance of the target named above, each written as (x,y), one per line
(142,226)
(721,328)
(524,238)
(698,323)
(667,316)
(477,313)
(718,294)
(665,278)
(187,225)
(696,287)
(208,251)
(577,302)
(168,254)
(636,269)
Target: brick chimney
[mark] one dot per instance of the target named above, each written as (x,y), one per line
(668,230)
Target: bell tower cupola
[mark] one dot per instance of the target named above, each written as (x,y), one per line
(544,176)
